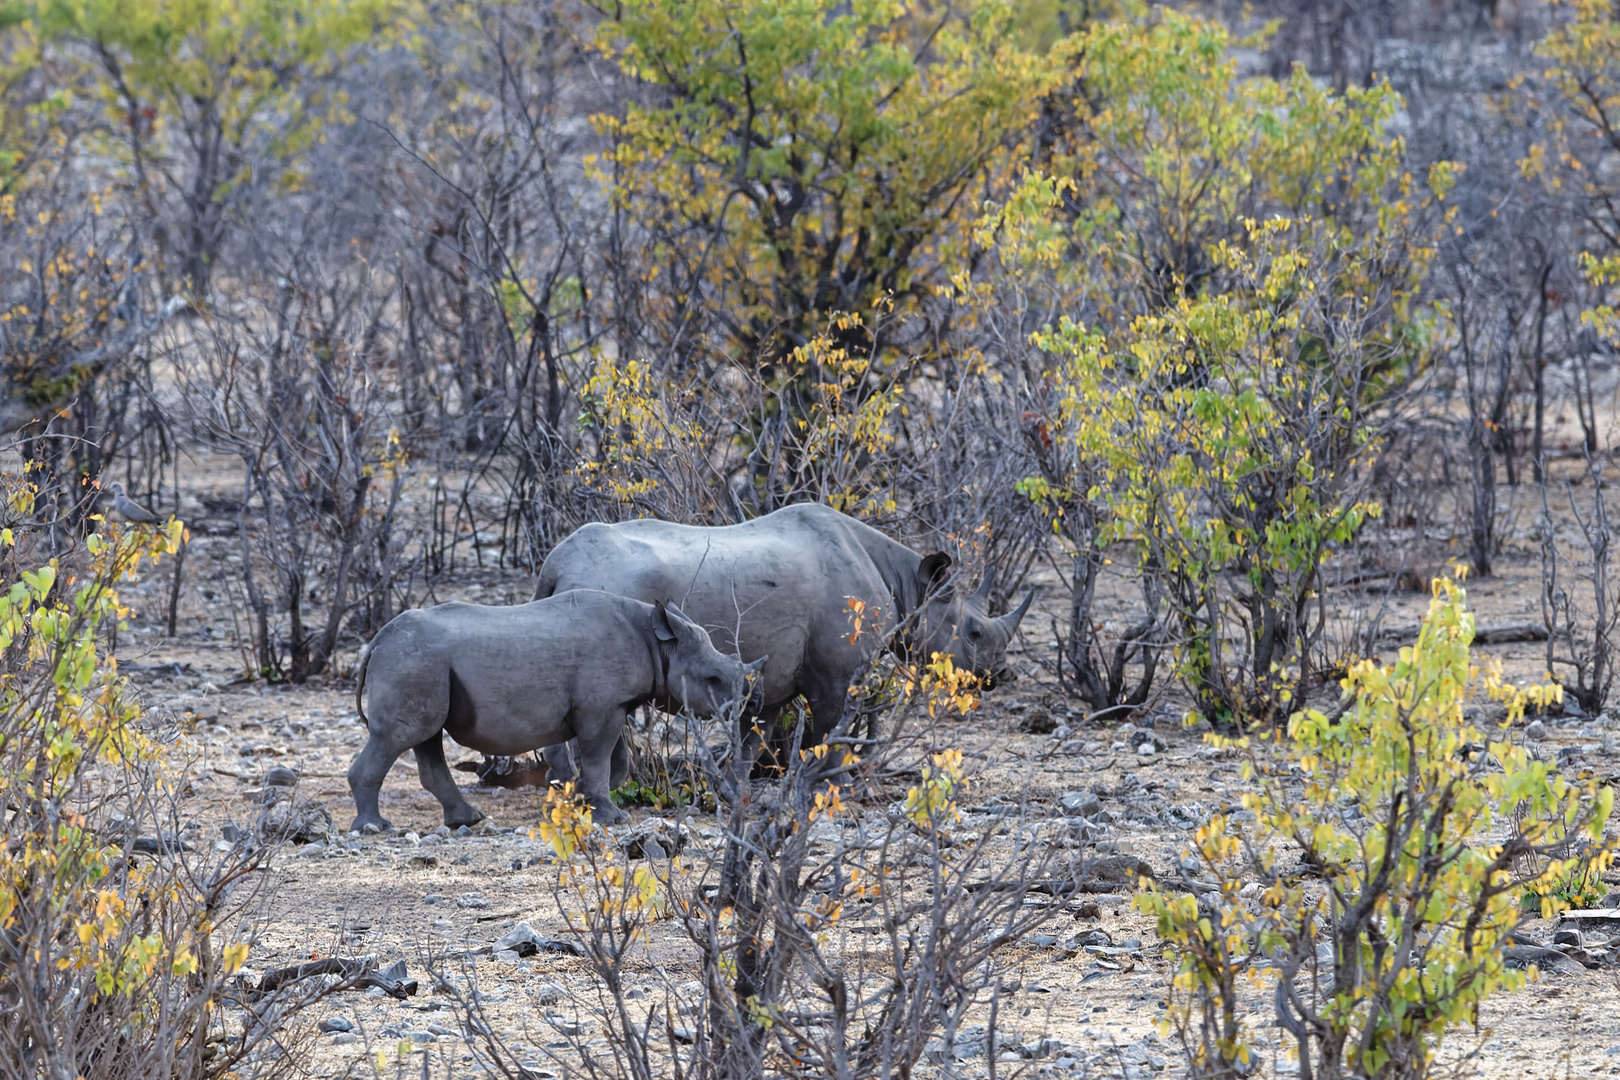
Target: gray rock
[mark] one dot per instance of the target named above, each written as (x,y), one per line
(336,1023)
(475,900)
(1080,803)
(344,1038)
(432,898)
(297,820)
(280,776)
(1535,730)
(550,993)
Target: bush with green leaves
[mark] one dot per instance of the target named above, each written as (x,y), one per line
(119,944)
(1376,888)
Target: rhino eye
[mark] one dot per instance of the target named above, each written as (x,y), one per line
(974,635)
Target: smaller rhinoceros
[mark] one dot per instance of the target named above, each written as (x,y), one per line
(507,680)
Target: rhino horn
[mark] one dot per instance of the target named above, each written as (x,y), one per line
(755,667)
(1009,622)
(984,586)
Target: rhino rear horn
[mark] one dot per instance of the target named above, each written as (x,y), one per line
(1009,622)
(983,592)
(755,667)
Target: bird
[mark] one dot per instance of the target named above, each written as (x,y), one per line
(130,510)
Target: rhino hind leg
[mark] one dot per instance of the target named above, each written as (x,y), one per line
(559,763)
(619,770)
(365,782)
(434,772)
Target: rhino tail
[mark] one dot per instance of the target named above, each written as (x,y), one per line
(360,683)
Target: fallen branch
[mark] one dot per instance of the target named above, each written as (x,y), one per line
(359,973)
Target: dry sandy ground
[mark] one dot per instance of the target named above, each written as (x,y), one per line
(413,894)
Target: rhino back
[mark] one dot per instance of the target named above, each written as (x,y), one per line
(519,676)
(777,586)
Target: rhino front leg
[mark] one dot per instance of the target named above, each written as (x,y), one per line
(366,775)
(595,748)
(434,773)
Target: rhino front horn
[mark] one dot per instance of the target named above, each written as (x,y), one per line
(1009,622)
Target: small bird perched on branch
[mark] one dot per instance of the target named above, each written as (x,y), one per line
(129,510)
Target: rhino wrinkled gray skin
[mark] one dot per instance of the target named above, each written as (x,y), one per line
(508,680)
(781,586)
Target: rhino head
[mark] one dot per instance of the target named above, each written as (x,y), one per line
(698,676)
(962,627)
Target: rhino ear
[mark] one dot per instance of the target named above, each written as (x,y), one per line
(934,571)
(662,630)
(756,666)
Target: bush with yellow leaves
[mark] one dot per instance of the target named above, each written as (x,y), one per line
(834,927)
(1373,897)
(114,952)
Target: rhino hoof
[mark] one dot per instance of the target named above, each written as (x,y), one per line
(465,816)
(370,825)
(609,815)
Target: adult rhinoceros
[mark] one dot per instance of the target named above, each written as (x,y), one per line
(786,586)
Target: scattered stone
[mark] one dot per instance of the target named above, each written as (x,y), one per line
(280,776)
(300,821)
(1535,730)
(233,833)
(344,1038)
(507,956)
(1137,738)
(1037,721)
(422,862)
(462,830)
(472,900)
(442,832)
(432,898)
(336,1023)
(937,1053)
(1080,804)
(563,1025)
(550,993)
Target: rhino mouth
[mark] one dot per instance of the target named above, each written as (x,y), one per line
(998,677)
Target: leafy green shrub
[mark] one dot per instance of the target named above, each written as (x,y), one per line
(1414,829)
(1216,392)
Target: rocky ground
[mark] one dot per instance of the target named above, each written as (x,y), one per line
(1089,988)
